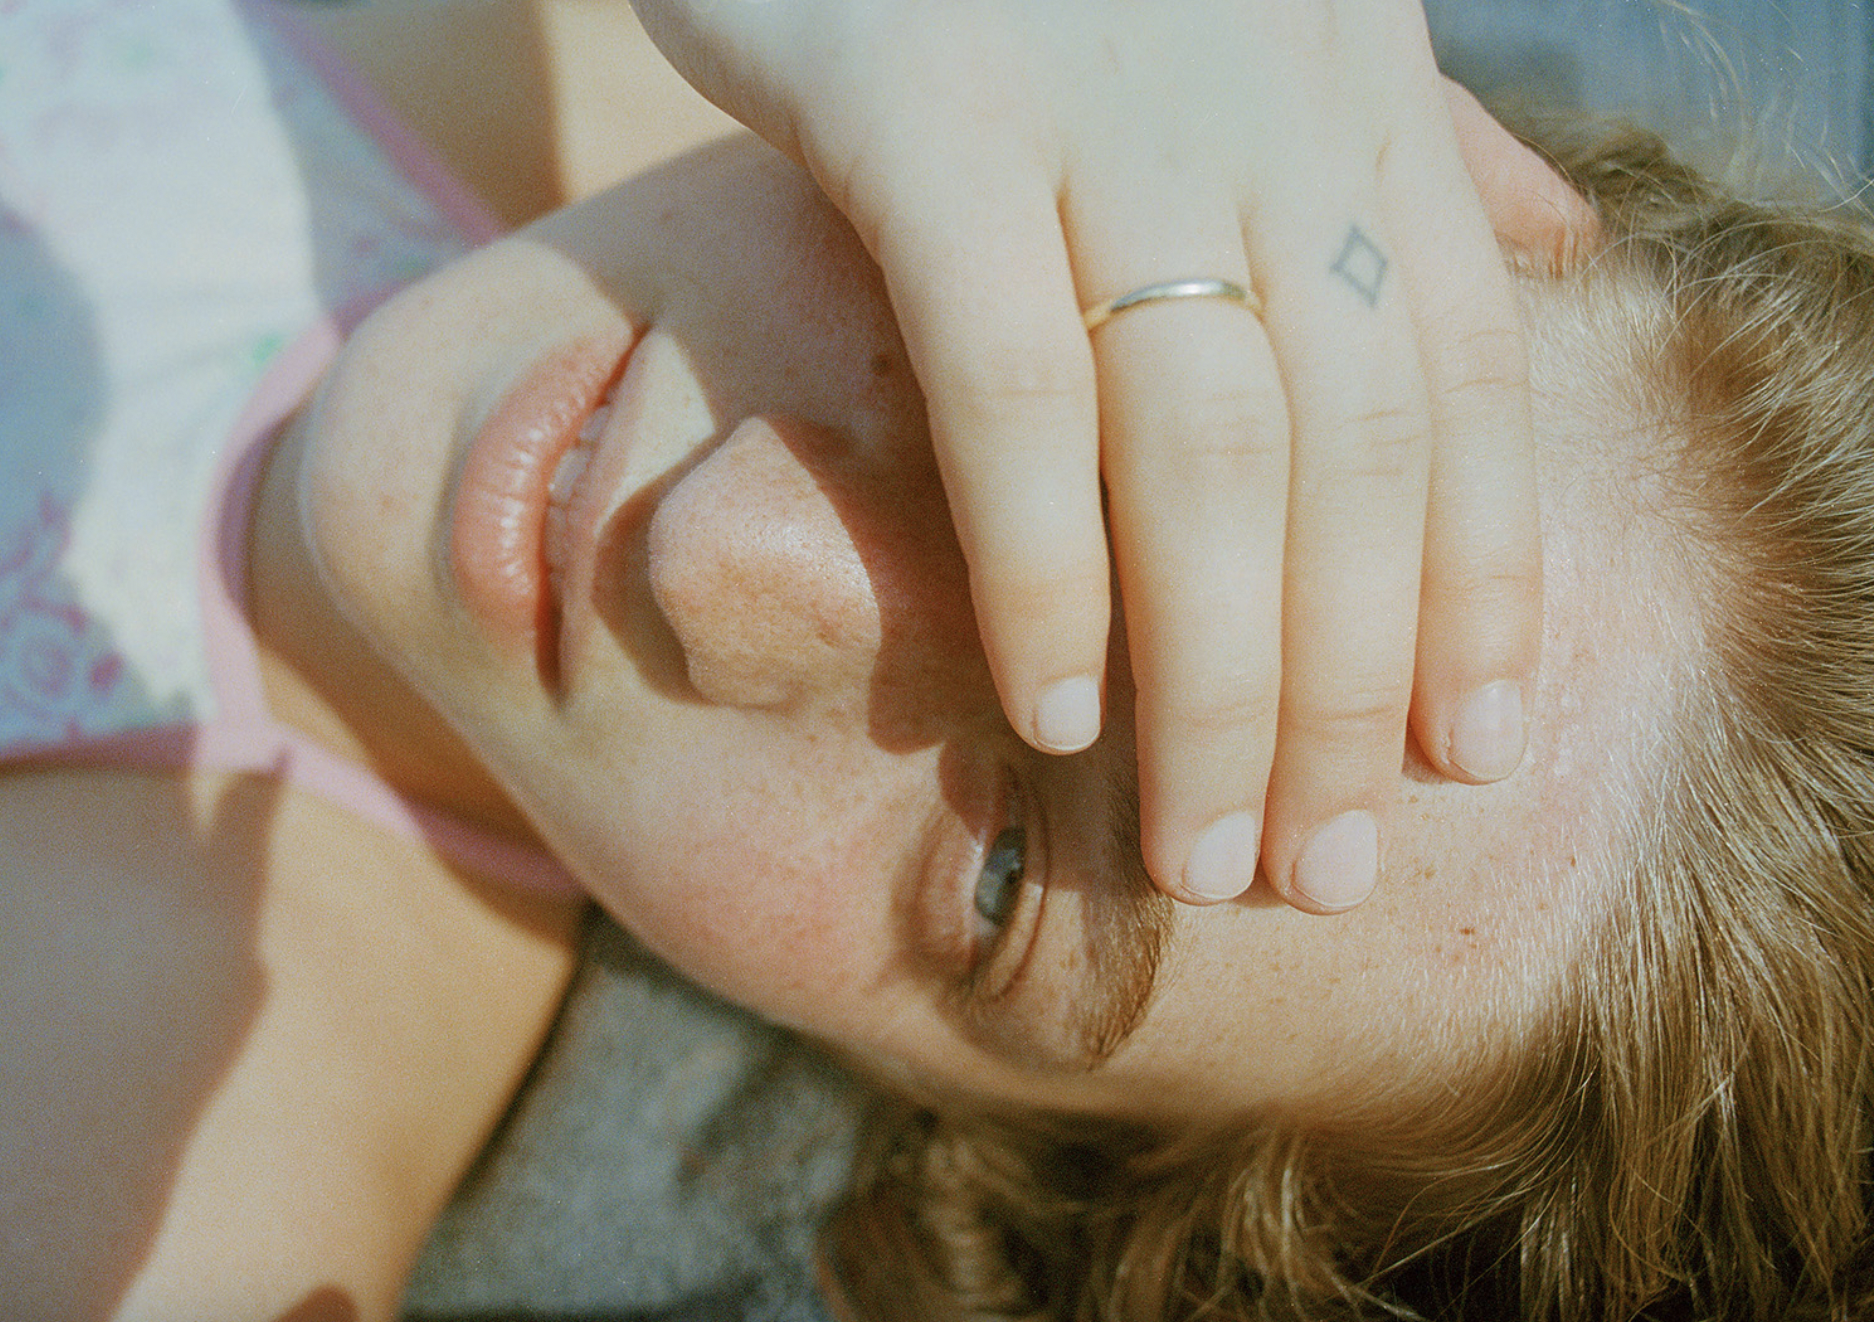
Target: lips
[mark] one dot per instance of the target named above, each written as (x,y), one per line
(508,527)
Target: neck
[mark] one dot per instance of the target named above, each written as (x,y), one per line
(324,678)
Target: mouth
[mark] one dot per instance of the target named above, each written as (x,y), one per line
(514,521)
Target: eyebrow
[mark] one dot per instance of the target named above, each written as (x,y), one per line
(1128,924)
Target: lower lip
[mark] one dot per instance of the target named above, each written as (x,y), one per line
(497,526)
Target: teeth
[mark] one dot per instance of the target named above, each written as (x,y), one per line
(594,426)
(566,474)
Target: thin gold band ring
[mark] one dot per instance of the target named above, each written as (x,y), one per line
(1205,287)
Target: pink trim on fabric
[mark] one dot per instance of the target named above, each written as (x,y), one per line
(220,748)
(221,565)
(409,153)
(245,733)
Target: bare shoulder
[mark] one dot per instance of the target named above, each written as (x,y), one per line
(252,1045)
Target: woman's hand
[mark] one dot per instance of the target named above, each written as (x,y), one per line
(1321,501)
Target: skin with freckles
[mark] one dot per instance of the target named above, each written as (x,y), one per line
(769,741)
(1385,372)
(267,1041)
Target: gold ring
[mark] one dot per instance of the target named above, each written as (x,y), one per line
(1101,313)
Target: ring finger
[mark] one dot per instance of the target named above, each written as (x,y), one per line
(1193,443)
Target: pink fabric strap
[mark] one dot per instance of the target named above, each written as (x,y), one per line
(242,734)
(245,735)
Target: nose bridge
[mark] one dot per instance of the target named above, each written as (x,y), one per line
(789,569)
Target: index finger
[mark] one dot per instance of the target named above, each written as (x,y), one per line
(985,302)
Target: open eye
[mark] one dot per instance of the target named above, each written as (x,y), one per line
(999,883)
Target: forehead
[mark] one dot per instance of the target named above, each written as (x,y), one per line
(1492,894)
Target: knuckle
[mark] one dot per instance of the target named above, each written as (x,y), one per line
(1222,718)
(1390,443)
(1482,363)
(1037,596)
(1492,591)
(1214,430)
(1493,620)
(999,388)
(1353,719)
(1486,574)
(1234,445)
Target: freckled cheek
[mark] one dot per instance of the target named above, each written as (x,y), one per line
(788,913)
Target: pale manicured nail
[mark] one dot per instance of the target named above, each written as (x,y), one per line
(1067,716)
(1223,862)
(1339,866)
(1487,734)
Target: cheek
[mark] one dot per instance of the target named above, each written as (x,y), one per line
(780,891)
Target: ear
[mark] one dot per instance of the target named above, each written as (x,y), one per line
(1543,222)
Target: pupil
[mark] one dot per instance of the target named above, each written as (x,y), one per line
(999,884)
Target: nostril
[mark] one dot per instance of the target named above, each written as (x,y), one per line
(757,573)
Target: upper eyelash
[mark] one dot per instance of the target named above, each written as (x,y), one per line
(982,871)
(983,986)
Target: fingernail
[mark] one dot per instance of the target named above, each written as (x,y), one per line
(1487,734)
(1067,715)
(1223,861)
(1339,865)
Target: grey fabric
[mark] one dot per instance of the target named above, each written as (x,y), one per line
(669,1160)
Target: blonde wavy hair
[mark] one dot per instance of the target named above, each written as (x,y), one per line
(1686,1134)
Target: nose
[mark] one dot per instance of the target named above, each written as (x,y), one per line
(790,567)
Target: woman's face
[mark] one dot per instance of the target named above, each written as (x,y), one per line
(722,655)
